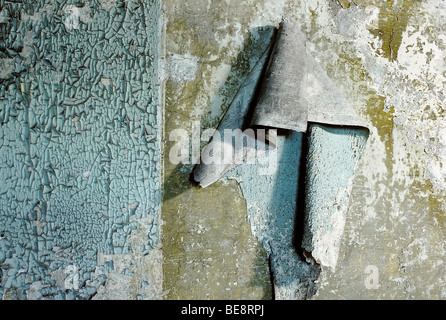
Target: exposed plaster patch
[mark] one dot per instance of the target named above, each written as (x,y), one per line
(108,4)
(46,9)
(436,165)
(76,15)
(133,277)
(268,12)
(182,67)
(6,67)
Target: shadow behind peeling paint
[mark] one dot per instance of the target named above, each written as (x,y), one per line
(300,201)
(181,179)
(293,270)
(178,185)
(293,276)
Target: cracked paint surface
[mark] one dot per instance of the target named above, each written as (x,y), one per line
(79,148)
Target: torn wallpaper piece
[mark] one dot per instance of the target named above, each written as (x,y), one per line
(286,89)
(246,145)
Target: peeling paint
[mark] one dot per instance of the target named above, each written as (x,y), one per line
(78,109)
(387,59)
(80,148)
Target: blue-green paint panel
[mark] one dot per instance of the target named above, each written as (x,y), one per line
(79,139)
(290,204)
(332,156)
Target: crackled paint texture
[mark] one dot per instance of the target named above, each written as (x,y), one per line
(388,59)
(79,149)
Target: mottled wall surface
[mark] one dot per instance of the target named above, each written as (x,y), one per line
(393,56)
(209,251)
(79,149)
(388,59)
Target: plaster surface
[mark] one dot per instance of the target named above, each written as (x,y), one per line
(387,59)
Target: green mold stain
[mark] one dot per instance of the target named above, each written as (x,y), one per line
(345,3)
(393,20)
(436,209)
(382,120)
(429,200)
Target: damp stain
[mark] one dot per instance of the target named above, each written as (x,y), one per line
(393,20)
(344,3)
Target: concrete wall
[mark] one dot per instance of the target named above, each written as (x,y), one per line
(92,207)
(387,59)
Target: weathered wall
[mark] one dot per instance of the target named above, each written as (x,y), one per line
(83,153)
(79,149)
(389,56)
(209,251)
(388,59)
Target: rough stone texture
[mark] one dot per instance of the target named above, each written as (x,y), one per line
(79,149)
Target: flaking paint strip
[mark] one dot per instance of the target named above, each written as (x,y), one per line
(291,84)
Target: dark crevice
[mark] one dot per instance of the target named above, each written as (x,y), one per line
(271,277)
(302,228)
(300,221)
(299,224)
